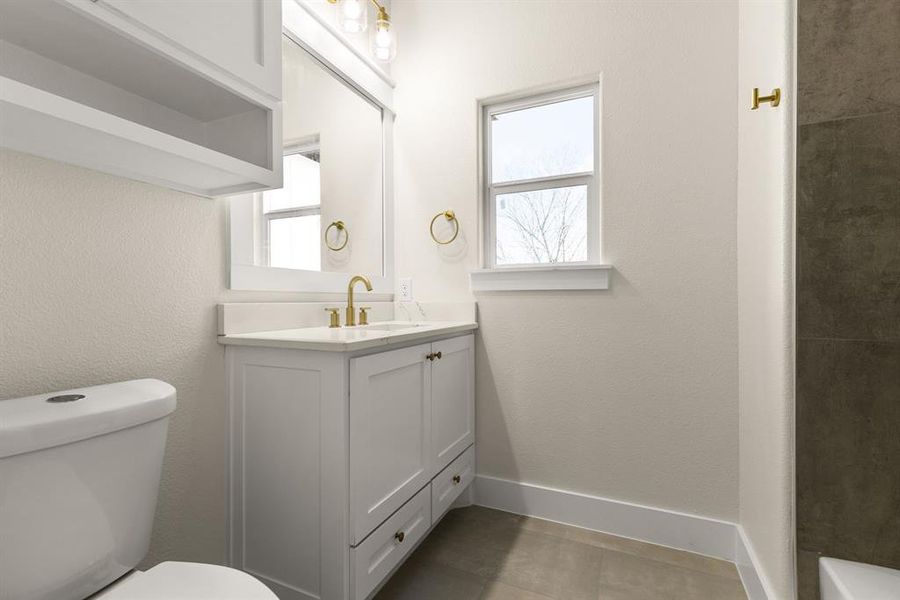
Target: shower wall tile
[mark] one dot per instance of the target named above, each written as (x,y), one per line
(848,285)
(847,58)
(848,228)
(808,573)
(848,450)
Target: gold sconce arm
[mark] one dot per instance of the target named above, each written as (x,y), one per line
(382,11)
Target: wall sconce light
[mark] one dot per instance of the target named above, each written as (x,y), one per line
(353,16)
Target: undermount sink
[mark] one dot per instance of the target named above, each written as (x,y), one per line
(391,326)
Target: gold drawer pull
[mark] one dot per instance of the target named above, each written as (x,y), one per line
(400,536)
(456,479)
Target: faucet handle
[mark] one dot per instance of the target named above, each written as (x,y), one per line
(363,315)
(335,316)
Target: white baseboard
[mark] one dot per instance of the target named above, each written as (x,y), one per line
(710,537)
(755,583)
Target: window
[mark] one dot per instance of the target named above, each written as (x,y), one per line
(542,205)
(292,215)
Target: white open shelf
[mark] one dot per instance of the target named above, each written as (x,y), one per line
(75,90)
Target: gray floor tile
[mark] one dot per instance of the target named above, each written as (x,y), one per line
(552,566)
(496,590)
(491,555)
(420,581)
(626,575)
(689,560)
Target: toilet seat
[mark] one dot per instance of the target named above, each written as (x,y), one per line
(188,581)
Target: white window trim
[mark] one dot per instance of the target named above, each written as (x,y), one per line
(264,232)
(589,274)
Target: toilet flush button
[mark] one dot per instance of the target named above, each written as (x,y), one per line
(66,398)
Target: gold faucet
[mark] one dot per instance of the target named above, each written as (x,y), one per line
(351,314)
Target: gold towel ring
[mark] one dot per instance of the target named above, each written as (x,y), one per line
(450,216)
(339,225)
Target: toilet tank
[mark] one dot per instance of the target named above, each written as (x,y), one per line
(79,476)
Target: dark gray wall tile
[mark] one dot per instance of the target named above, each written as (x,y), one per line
(848,285)
(848,450)
(848,228)
(847,56)
(808,575)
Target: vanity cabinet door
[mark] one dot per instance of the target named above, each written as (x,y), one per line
(390,434)
(452,399)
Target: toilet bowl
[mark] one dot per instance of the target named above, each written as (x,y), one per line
(79,477)
(187,581)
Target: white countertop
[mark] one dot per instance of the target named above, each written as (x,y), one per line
(348,339)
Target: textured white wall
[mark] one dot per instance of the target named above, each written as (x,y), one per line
(629,393)
(765,290)
(104,279)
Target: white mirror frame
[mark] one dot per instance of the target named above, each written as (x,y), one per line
(305,27)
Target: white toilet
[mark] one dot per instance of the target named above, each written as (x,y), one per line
(79,473)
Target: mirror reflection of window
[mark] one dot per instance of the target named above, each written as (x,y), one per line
(333,171)
(334,155)
(293,214)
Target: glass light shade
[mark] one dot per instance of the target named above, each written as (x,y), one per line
(384,41)
(353,15)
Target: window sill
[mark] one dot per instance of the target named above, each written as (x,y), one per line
(561,277)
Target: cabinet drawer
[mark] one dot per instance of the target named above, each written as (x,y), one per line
(449,484)
(386,547)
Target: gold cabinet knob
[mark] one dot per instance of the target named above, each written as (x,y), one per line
(438,354)
(456,479)
(363,315)
(400,536)
(335,316)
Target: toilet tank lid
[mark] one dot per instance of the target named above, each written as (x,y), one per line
(47,420)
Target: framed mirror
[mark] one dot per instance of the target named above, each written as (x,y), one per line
(331,218)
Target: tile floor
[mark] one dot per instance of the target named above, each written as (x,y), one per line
(477,553)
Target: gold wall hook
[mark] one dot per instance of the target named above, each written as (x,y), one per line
(774,98)
(450,216)
(339,225)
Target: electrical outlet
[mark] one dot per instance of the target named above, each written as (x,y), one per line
(406,294)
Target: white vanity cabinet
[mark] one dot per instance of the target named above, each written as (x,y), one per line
(341,462)
(180,93)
